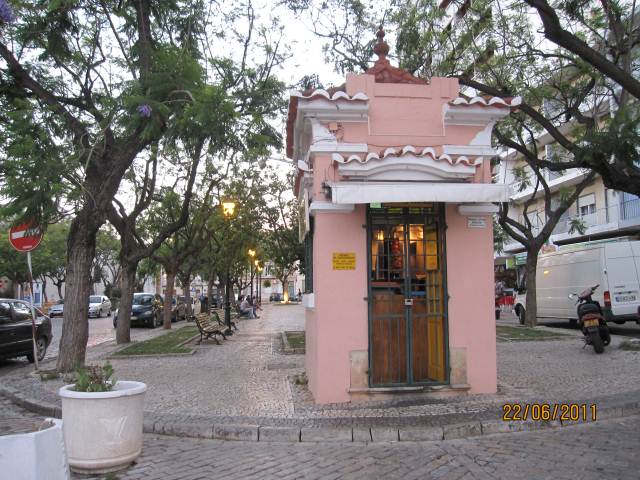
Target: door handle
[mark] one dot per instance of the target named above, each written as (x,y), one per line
(408,302)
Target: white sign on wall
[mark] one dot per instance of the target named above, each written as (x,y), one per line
(476,222)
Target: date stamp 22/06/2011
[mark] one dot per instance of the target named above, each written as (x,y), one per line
(549,411)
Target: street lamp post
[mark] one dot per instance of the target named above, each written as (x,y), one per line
(256,262)
(228,209)
(260,284)
(252,254)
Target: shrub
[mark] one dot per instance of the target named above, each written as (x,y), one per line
(94,378)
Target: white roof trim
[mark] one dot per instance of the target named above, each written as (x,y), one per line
(409,150)
(465,115)
(328,207)
(470,150)
(480,101)
(389,192)
(408,167)
(336,96)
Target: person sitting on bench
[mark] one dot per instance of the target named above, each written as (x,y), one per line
(246,308)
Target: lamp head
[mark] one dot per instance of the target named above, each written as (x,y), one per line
(228,208)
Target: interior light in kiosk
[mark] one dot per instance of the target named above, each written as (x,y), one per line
(380,235)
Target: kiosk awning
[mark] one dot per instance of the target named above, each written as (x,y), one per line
(390,192)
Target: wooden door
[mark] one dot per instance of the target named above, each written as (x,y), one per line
(406,295)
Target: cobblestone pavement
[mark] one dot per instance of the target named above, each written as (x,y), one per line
(247,380)
(14,419)
(604,449)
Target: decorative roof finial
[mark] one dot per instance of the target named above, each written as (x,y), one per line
(381,48)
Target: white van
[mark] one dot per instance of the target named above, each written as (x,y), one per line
(614,265)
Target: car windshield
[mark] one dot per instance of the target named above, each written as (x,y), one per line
(142,299)
(95,299)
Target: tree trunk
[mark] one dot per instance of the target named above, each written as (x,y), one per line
(59,287)
(81,248)
(168,296)
(531,308)
(127,288)
(186,289)
(44,290)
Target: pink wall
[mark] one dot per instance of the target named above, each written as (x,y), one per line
(341,318)
(471,304)
(399,115)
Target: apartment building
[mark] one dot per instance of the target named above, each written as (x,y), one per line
(598,213)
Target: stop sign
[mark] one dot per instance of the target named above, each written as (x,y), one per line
(25,237)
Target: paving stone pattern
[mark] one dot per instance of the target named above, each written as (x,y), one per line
(14,420)
(604,449)
(247,381)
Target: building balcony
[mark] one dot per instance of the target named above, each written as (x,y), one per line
(554,181)
(619,219)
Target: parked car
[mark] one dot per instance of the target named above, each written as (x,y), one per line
(178,309)
(99,305)
(275,297)
(16,329)
(57,309)
(145,311)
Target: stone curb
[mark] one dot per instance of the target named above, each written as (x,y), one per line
(268,433)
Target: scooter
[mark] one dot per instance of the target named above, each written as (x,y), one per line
(591,321)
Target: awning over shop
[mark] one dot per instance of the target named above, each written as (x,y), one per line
(390,192)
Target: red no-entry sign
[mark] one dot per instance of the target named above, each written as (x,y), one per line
(25,237)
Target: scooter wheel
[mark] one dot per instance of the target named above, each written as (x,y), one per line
(596,341)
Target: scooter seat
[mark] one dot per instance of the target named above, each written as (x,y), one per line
(588,308)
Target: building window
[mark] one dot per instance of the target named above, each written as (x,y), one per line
(587,205)
(308,259)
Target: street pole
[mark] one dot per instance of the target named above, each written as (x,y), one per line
(227,306)
(251,274)
(33,315)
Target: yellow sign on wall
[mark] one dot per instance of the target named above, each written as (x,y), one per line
(344,260)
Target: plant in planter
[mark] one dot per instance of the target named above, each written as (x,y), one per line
(102,420)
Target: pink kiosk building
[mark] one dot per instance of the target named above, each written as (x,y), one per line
(394,184)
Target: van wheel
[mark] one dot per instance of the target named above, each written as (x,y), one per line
(573,323)
(619,322)
(521,316)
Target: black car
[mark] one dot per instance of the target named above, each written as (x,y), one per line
(15,330)
(275,297)
(145,312)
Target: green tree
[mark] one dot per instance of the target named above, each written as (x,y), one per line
(86,87)
(13,264)
(50,256)
(281,239)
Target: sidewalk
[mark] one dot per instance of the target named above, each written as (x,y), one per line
(243,389)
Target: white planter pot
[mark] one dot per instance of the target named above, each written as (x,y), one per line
(35,455)
(103,430)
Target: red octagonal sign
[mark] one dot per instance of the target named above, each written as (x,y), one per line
(25,237)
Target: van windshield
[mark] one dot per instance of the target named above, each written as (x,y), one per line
(95,299)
